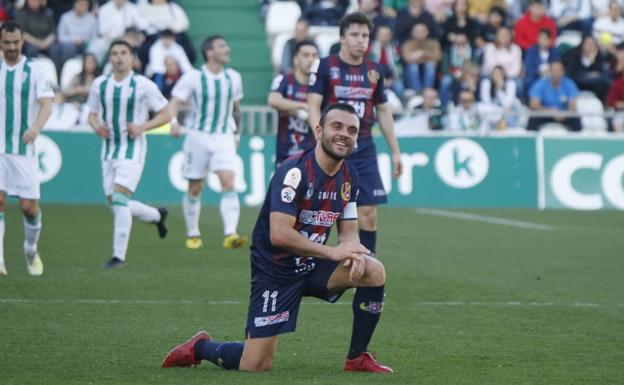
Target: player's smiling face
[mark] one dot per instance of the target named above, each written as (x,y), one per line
(11,43)
(355,40)
(339,134)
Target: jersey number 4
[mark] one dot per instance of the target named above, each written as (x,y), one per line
(266,295)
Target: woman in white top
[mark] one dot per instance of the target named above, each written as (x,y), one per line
(499,91)
(163,14)
(503,52)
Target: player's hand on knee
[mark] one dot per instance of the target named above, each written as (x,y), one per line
(349,250)
(358,267)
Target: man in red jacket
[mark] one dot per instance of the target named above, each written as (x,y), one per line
(529,25)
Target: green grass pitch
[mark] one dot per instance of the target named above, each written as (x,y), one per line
(466,303)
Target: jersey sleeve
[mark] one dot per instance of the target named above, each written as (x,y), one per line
(184,87)
(280,84)
(380,96)
(153,97)
(349,212)
(93,101)
(238,86)
(286,189)
(319,77)
(43,85)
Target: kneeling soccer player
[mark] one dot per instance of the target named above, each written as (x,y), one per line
(307,195)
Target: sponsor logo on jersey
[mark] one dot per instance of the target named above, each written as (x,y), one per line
(288,194)
(334,73)
(345,191)
(271,319)
(343,92)
(373,76)
(318,218)
(292,178)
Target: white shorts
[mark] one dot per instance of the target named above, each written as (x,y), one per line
(204,153)
(122,172)
(19,176)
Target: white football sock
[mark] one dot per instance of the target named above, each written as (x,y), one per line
(230,211)
(122,225)
(191,207)
(143,212)
(1,238)
(32,230)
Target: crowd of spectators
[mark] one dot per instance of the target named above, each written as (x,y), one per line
(82,30)
(491,64)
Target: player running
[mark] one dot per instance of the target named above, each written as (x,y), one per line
(289,97)
(210,144)
(119,104)
(25,105)
(290,259)
(350,77)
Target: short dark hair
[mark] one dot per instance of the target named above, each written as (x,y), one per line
(302,44)
(167,33)
(207,44)
(355,18)
(11,26)
(120,42)
(337,106)
(546,32)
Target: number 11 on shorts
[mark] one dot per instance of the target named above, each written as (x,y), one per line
(273,296)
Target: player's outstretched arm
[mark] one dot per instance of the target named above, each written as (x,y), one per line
(384,115)
(284,235)
(314,108)
(45,110)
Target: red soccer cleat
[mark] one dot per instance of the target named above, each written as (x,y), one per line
(365,362)
(183,355)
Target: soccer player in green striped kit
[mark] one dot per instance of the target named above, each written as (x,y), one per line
(25,105)
(119,105)
(210,145)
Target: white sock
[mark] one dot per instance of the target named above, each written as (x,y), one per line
(230,211)
(191,207)
(143,212)
(1,238)
(122,225)
(32,230)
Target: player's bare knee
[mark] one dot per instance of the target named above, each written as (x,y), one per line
(367,217)
(29,207)
(195,188)
(376,272)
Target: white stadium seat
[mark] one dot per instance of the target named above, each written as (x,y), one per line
(277,51)
(324,41)
(281,17)
(592,111)
(47,65)
(71,68)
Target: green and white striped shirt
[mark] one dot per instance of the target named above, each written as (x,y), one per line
(119,103)
(212,96)
(20,87)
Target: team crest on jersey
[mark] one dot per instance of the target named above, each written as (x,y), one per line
(334,73)
(345,191)
(373,76)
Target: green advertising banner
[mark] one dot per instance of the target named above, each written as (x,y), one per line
(582,173)
(438,171)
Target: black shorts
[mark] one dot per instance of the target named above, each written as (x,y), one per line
(274,304)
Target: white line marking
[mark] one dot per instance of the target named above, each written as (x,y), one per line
(43,301)
(484,218)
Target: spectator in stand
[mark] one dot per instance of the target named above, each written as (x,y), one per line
(391,8)
(588,67)
(617,64)
(325,13)
(64,115)
(421,55)
(411,15)
(78,90)
(468,80)
(531,23)
(600,8)
(572,15)
(163,48)
(537,59)
(458,22)
(369,8)
(503,52)
(552,95)
(480,9)
(468,115)
(76,29)
(496,19)
(453,60)
(302,33)
(499,91)
(609,30)
(431,106)
(385,51)
(136,39)
(172,75)
(4,12)
(39,26)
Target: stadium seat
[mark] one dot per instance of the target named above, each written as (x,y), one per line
(281,17)
(71,68)
(592,113)
(46,65)
(567,40)
(324,41)
(277,50)
(553,129)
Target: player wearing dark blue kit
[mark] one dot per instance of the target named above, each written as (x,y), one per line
(288,96)
(350,77)
(308,194)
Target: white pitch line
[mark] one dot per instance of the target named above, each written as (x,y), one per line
(484,218)
(53,301)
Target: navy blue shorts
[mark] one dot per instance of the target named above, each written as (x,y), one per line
(372,192)
(274,304)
